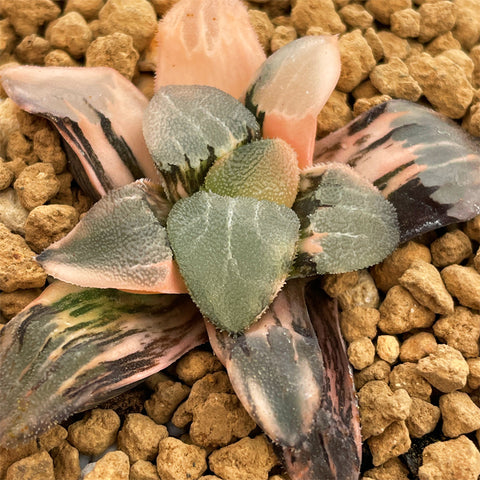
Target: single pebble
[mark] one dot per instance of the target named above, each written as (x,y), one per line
(441,43)
(392,469)
(6,175)
(423,418)
(472,227)
(95,432)
(357,60)
(387,273)
(405,23)
(445,369)
(59,58)
(388,348)
(136,18)
(464,284)
(356,16)
(114,51)
(47,224)
(282,35)
(36,466)
(52,438)
(195,365)
(139,437)
(219,421)
(393,46)
(417,346)
(361,353)
(36,185)
(18,269)
(452,247)
(380,406)
(143,470)
(435,19)
(178,461)
(467,24)
(88,9)
(335,114)
(462,60)
(457,459)
(163,402)
(460,415)
(383,9)
(71,33)
(48,148)
(358,322)
(405,376)
(248,458)
(32,50)
(318,13)
(424,282)
(473,379)
(391,443)
(362,105)
(337,283)
(363,294)
(378,370)
(112,466)
(66,461)
(375,43)
(461,330)
(400,312)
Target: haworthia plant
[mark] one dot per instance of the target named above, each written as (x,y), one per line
(73,348)
(234,254)
(187,127)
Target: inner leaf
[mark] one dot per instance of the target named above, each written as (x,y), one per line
(234,254)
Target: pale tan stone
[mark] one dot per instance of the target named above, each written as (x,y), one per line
(417,346)
(361,353)
(388,348)
(112,466)
(391,443)
(406,377)
(423,418)
(378,370)
(195,365)
(358,322)
(464,284)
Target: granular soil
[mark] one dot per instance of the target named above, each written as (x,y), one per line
(411,323)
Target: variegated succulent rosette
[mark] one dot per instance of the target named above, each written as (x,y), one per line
(216,211)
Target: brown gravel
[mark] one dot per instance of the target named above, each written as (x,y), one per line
(411,323)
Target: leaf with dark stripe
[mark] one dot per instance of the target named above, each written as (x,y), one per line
(99,114)
(423,163)
(346,224)
(187,127)
(120,243)
(297,395)
(73,348)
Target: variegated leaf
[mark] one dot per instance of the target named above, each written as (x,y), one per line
(187,127)
(99,114)
(207,43)
(234,254)
(423,163)
(293,388)
(120,243)
(265,170)
(291,88)
(73,348)
(346,224)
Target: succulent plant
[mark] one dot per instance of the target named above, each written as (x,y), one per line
(201,198)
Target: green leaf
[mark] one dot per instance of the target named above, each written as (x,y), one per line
(120,243)
(234,254)
(265,170)
(346,224)
(187,127)
(73,348)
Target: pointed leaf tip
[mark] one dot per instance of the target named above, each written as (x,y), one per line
(234,254)
(207,43)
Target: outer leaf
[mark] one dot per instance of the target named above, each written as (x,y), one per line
(208,43)
(293,389)
(265,170)
(97,111)
(234,254)
(187,127)
(73,348)
(424,164)
(292,87)
(120,243)
(346,224)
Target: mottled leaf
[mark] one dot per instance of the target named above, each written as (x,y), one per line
(234,254)
(346,224)
(293,388)
(207,43)
(187,127)
(99,114)
(120,243)
(265,170)
(423,163)
(292,87)
(73,348)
